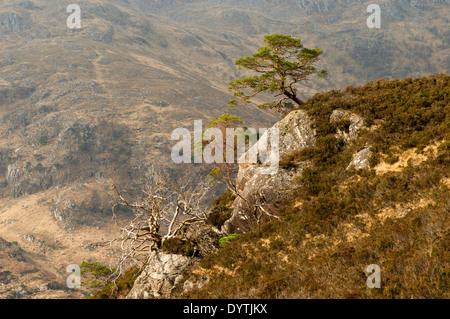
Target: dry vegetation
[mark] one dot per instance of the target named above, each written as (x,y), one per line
(321,247)
(80,107)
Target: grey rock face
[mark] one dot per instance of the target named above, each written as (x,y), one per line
(161,276)
(13,175)
(191,284)
(356,123)
(10,22)
(29,237)
(257,188)
(260,191)
(62,210)
(361,159)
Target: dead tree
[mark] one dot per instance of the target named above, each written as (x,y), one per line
(166,208)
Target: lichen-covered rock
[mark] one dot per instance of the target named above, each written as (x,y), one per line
(194,283)
(356,123)
(361,159)
(163,274)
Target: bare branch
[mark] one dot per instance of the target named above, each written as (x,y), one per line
(165,209)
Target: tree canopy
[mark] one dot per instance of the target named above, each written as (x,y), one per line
(280,65)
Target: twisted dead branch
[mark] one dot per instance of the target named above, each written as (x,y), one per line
(166,208)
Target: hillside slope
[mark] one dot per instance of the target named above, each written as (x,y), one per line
(339,216)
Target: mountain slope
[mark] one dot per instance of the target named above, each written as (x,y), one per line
(337,219)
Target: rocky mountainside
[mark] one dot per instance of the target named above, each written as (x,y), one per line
(364,180)
(82,107)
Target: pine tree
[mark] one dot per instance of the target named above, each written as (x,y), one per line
(281,64)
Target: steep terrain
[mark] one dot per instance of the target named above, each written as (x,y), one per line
(353,196)
(81,107)
(364,180)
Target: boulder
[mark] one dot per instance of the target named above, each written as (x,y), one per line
(361,159)
(163,274)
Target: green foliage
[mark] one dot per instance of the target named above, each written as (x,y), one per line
(282,63)
(225,240)
(96,269)
(120,287)
(43,140)
(93,283)
(222,123)
(222,172)
(227,120)
(38,157)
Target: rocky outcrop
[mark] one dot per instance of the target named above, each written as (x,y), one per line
(356,123)
(259,192)
(29,237)
(10,22)
(163,274)
(13,175)
(204,237)
(62,210)
(164,271)
(361,159)
(259,189)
